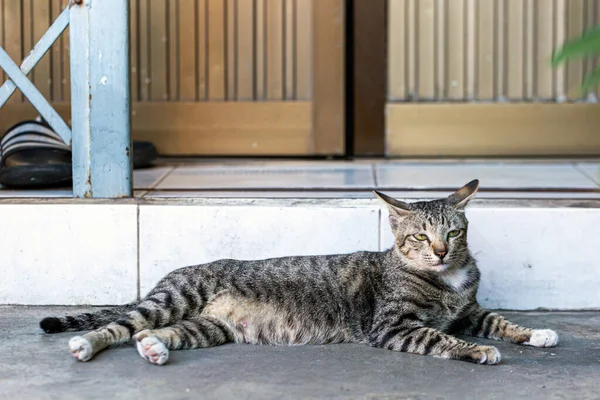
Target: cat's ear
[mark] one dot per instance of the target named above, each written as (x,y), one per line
(461,197)
(397,209)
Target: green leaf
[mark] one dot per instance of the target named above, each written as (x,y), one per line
(591,80)
(589,42)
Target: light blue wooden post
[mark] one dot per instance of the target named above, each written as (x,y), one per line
(102,148)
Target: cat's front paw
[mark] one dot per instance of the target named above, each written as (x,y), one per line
(482,355)
(81,348)
(151,348)
(543,338)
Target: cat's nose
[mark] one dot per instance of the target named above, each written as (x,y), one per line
(440,253)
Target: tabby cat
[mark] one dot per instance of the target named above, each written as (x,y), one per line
(410,298)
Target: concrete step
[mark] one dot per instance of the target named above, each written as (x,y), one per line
(536,253)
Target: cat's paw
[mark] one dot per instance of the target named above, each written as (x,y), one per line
(483,355)
(150,348)
(81,348)
(543,338)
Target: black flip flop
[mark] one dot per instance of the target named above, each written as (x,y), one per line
(32,155)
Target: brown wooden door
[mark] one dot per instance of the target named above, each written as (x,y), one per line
(473,77)
(213,77)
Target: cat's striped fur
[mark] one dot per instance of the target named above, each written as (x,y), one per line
(410,298)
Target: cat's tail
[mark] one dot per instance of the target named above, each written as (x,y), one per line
(85,321)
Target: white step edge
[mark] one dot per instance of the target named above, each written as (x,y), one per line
(533,254)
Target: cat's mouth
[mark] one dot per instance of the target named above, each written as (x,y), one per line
(440,267)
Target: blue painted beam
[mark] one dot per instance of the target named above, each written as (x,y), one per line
(34,96)
(36,54)
(99,37)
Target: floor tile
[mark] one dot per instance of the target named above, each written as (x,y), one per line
(491,175)
(591,170)
(142,179)
(418,194)
(147,178)
(270,176)
(259,194)
(68,254)
(55,193)
(362,194)
(175,236)
(49,193)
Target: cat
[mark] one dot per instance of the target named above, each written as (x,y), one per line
(411,298)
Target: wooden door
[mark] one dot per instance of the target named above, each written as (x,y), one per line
(473,77)
(212,77)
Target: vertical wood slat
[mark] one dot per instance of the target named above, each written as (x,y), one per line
(530,46)
(575,27)
(66,62)
(202,49)
(55,56)
(289,44)
(144,49)
(412,51)
(173,46)
(303,56)
(560,75)
(544,47)
(426,49)
(328,102)
(486,65)
(589,22)
(245,50)
(274,49)
(456,50)
(471,48)
(441,41)
(158,50)
(500,49)
(397,50)
(260,51)
(231,45)
(216,50)
(27,37)
(133,51)
(187,50)
(515,52)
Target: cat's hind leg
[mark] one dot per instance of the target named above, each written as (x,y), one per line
(193,333)
(85,347)
(490,325)
(155,311)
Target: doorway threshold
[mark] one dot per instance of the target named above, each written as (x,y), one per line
(410,179)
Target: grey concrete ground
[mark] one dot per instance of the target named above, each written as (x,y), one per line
(34,365)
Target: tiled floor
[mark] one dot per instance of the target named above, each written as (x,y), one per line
(327,179)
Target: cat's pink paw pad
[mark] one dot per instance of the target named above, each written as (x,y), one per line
(81,348)
(543,338)
(152,349)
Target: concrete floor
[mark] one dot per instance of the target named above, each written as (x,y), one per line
(34,365)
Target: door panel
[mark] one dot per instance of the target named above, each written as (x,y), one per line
(466,52)
(214,77)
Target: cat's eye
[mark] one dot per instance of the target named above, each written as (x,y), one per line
(454,233)
(420,236)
